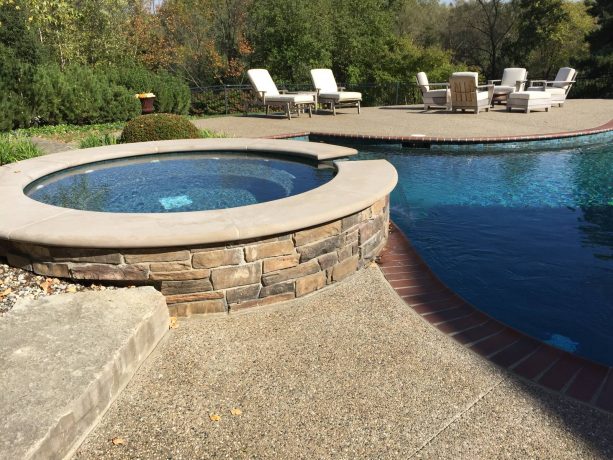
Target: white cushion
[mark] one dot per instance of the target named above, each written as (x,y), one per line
(323,80)
(262,81)
(512,75)
(481,95)
(294,98)
(422,80)
(437,93)
(548,89)
(564,74)
(503,89)
(475,75)
(530,95)
(341,96)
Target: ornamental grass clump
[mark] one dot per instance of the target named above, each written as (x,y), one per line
(158,127)
(14,147)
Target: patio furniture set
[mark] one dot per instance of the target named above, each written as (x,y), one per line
(463,91)
(327,94)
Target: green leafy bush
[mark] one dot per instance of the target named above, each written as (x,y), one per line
(172,94)
(78,95)
(158,127)
(15,147)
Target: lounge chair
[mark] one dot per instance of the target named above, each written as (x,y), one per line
(513,79)
(329,93)
(267,94)
(467,94)
(433,97)
(559,87)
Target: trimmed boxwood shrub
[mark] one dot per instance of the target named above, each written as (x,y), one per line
(158,127)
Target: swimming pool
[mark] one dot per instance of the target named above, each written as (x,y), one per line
(179,182)
(525,237)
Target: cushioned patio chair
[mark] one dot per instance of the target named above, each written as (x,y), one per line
(433,97)
(267,94)
(329,93)
(559,87)
(467,94)
(513,79)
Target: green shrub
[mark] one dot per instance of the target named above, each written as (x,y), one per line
(158,127)
(172,94)
(15,147)
(78,95)
(14,109)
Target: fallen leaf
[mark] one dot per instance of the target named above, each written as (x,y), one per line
(236,411)
(6,292)
(71,289)
(118,441)
(173,323)
(46,285)
(215,417)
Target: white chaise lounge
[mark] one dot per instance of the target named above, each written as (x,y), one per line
(267,94)
(467,94)
(513,79)
(329,93)
(433,97)
(557,88)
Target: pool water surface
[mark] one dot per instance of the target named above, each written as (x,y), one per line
(178,182)
(525,237)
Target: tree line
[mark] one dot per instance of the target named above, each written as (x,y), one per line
(210,42)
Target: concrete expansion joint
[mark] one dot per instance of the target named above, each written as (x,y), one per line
(458,416)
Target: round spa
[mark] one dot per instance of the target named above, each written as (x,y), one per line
(215,224)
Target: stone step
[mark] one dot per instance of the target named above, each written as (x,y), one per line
(64,359)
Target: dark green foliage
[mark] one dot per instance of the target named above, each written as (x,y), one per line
(600,63)
(78,95)
(172,94)
(158,127)
(19,53)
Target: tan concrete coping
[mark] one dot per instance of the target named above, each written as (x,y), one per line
(357,185)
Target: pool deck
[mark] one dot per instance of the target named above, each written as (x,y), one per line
(412,124)
(351,372)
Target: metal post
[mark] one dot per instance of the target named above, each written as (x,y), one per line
(397,90)
(225,95)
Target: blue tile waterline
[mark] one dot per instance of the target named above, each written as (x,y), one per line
(178,182)
(525,237)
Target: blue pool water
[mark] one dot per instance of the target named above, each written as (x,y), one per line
(178,183)
(525,237)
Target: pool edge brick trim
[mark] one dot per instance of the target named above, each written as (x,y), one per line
(559,371)
(428,141)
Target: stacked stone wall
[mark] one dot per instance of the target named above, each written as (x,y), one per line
(223,277)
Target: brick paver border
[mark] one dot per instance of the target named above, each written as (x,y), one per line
(528,358)
(423,141)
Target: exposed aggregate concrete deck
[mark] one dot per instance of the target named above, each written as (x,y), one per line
(351,372)
(577,114)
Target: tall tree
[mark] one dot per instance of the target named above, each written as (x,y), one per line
(485,28)
(601,44)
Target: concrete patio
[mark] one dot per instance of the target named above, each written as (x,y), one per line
(577,114)
(351,372)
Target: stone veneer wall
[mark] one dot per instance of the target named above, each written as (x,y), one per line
(218,278)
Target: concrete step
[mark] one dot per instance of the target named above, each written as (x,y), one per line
(64,359)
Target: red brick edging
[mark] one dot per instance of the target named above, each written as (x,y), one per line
(426,140)
(557,370)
